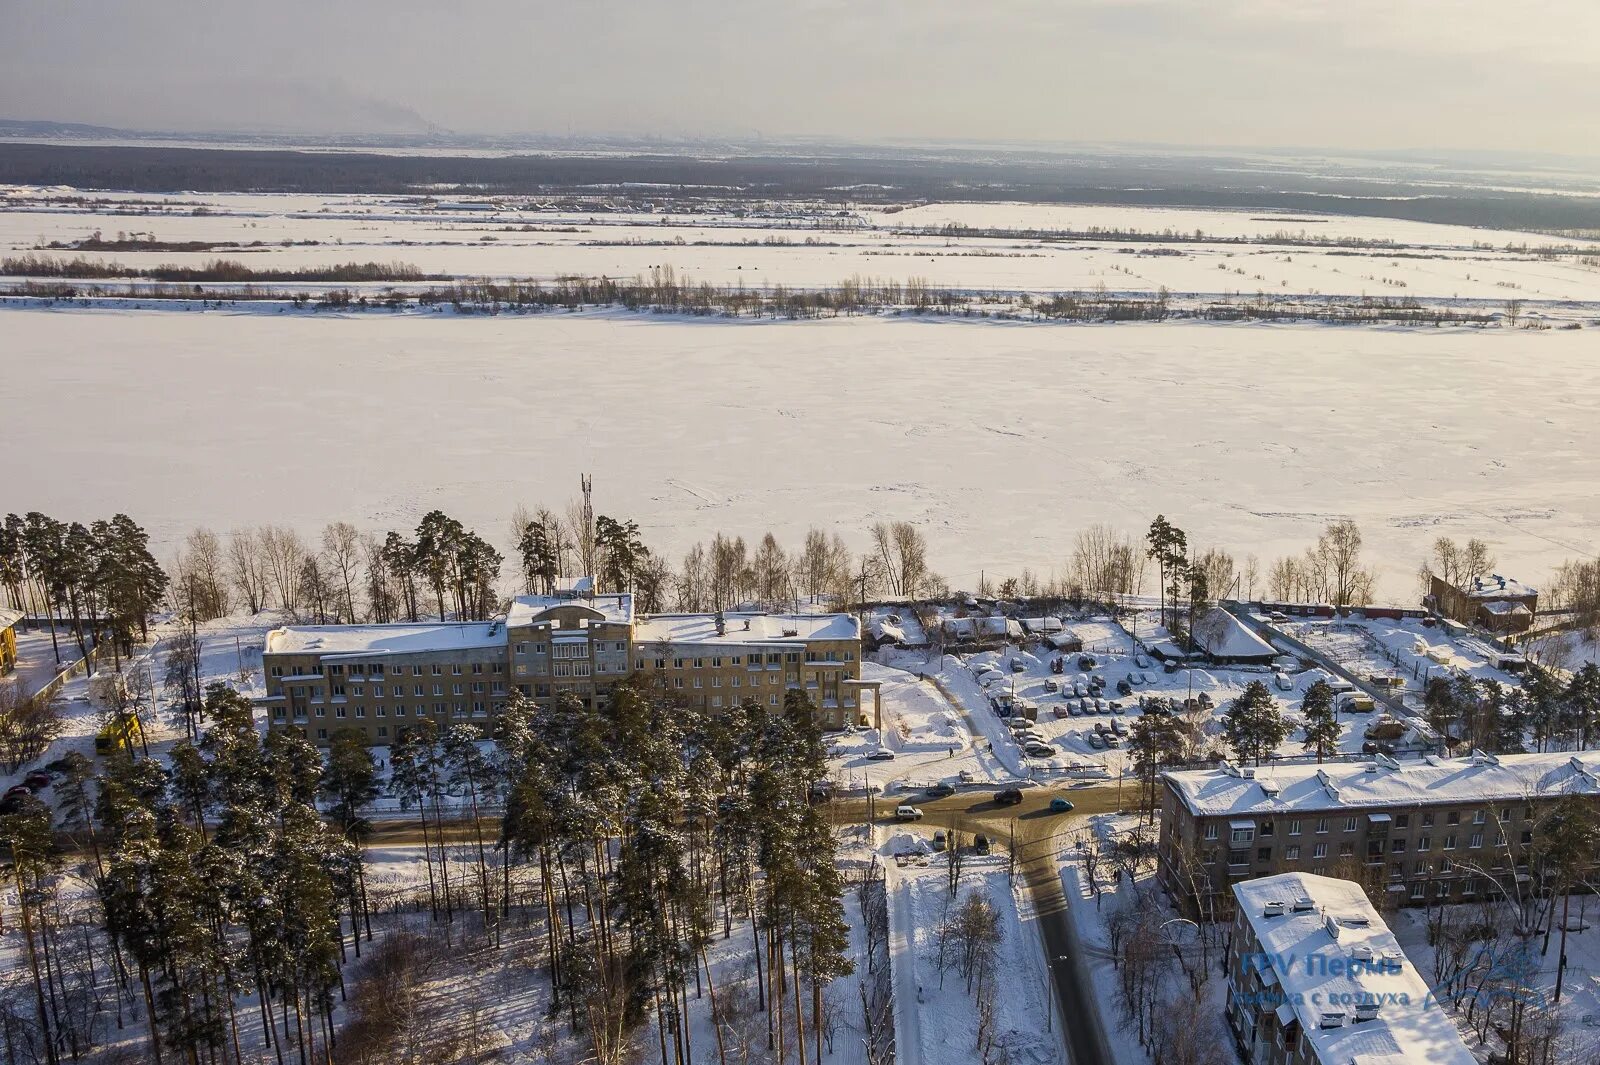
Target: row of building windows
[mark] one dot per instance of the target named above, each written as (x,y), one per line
(378,670)
(1242,834)
(337,691)
(477,708)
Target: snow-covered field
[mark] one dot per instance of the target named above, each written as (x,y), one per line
(1000,440)
(812,245)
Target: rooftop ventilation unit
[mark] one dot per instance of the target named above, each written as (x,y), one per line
(1366,1011)
(1361,953)
(1332,1019)
(1272,909)
(1304,904)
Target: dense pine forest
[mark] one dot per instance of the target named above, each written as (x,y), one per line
(218,908)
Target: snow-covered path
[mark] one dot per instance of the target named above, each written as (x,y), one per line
(907,1010)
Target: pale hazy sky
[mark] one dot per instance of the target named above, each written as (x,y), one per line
(1501,74)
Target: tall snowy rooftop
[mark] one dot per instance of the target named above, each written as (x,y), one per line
(742,629)
(1324,952)
(385,639)
(526,609)
(1424,781)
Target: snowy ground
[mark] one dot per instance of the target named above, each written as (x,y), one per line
(939,1022)
(810,245)
(999,440)
(1067,720)
(1579,1006)
(931,737)
(1405,649)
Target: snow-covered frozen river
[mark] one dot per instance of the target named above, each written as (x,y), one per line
(1001,440)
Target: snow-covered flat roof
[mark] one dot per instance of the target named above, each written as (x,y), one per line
(1495,586)
(1330,951)
(1423,781)
(526,609)
(741,628)
(385,639)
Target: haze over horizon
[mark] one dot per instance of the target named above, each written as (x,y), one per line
(1370,76)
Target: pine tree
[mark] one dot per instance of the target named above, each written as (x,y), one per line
(1253,725)
(1321,722)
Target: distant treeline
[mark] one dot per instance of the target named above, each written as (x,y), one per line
(949,174)
(217,270)
(663,293)
(1115,234)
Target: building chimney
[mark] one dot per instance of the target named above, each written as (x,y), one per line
(722,625)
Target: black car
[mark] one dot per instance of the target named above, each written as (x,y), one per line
(980,843)
(940,791)
(1008,797)
(37,780)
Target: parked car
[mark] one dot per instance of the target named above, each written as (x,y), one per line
(940,840)
(37,780)
(1058,805)
(941,790)
(980,843)
(1080,688)
(1018,666)
(881,754)
(1283,681)
(1039,750)
(1101,707)
(1142,660)
(1112,741)
(965,776)
(1277,615)
(1051,684)
(1060,709)
(1125,686)
(1118,727)
(1116,708)
(1086,661)
(1008,797)
(1028,736)
(1085,706)
(1094,740)
(1074,709)
(1204,699)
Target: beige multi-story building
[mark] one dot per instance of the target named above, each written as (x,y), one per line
(1430,829)
(379,678)
(1315,977)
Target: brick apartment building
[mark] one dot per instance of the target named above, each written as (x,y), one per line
(1495,603)
(1315,977)
(1429,829)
